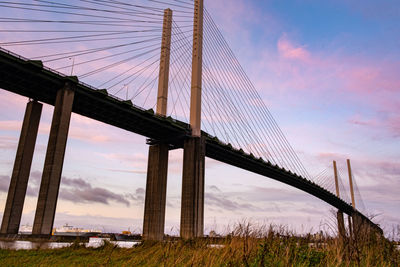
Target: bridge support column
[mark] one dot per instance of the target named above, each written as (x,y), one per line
(156,191)
(357,224)
(50,184)
(22,167)
(192,206)
(341,227)
(351,234)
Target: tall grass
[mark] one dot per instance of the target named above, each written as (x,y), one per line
(245,246)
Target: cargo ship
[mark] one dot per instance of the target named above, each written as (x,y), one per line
(69,230)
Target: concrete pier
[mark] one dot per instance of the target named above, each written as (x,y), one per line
(192,205)
(49,187)
(156,193)
(358,224)
(22,167)
(351,234)
(341,227)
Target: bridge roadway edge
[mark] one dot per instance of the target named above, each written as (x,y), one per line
(32,80)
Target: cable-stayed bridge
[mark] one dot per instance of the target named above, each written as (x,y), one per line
(161,69)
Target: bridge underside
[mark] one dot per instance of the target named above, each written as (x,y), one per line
(30,79)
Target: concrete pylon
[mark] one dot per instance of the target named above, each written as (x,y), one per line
(51,177)
(197,69)
(192,205)
(353,202)
(358,224)
(157,167)
(163,77)
(156,193)
(339,215)
(351,233)
(341,227)
(355,218)
(22,167)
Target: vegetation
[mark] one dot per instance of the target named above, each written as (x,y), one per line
(244,247)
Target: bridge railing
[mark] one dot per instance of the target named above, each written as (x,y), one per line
(64,75)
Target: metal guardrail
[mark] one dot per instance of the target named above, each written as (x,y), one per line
(64,75)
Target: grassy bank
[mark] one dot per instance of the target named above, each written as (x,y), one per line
(245,248)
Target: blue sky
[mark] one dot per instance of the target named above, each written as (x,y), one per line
(328,71)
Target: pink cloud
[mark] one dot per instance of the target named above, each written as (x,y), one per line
(10,125)
(328,156)
(393,124)
(88,135)
(11,101)
(289,50)
(357,120)
(389,125)
(91,135)
(299,77)
(367,77)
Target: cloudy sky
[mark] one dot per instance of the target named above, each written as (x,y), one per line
(328,71)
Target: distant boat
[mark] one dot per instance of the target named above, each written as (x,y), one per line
(69,230)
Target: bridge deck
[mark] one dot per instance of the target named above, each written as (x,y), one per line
(31,79)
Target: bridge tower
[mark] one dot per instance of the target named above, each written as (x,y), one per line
(339,215)
(22,167)
(192,204)
(157,167)
(353,202)
(359,225)
(356,220)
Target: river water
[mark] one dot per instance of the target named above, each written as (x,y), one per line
(93,243)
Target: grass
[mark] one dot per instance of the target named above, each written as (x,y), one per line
(245,247)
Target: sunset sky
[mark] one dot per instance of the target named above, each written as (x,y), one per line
(329,73)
